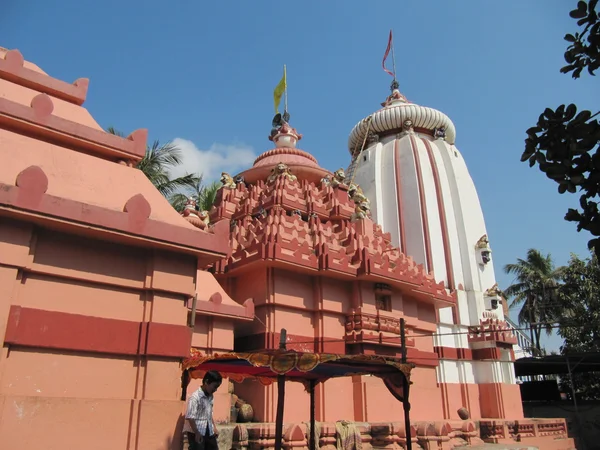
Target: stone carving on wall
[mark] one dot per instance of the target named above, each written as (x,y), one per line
(339,176)
(227,181)
(493,297)
(281,169)
(240,180)
(204,219)
(372,139)
(439,133)
(483,250)
(190,208)
(198,219)
(362,206)
(407,126)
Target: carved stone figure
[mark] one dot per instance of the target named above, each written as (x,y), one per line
(362,206)
(439,133)
(190,208)
(355,193)
(494,291)
(240,180)
(281,169)
(227,181)
(204,219)
(483,242)
(493,296)
(362,210)
(407,126)
(339,176)
(372,139)
(483,250)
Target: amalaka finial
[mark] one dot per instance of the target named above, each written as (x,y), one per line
(282,134)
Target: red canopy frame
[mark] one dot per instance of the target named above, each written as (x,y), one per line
(309,368)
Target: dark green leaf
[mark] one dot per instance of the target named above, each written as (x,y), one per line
(583,116)
(571,111)
(562,188)
(577,179)
(532,161)
(577,14)
(572,215)
(569,38)
(527,154)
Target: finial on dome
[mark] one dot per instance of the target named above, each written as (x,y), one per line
(395,98)
(282,134)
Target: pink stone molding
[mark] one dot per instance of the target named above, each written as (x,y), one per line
(286,155)
(12,69)
(30,327)
(37,120)
(27,200)
(213,300)
(492,330)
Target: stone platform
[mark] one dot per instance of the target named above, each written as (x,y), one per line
(526,434)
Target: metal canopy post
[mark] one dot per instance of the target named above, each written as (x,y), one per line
(405,388)
(313,438)
(280,397)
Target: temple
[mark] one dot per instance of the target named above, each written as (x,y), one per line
(105,289)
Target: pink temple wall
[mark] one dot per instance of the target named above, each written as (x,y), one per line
(308,306)
(46,393)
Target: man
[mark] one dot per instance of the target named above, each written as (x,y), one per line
(199,423)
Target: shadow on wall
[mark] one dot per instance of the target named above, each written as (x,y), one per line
(583,424)
(175,442)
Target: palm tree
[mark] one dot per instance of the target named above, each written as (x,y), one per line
(204,195)
(535,289)
(156,164)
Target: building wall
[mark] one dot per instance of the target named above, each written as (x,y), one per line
(72,365)
(313,310)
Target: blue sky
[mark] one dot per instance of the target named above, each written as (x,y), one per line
(204,72)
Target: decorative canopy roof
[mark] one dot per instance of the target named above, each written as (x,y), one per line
(267,365)
(391,118)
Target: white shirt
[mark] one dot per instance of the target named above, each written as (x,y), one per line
(200,410)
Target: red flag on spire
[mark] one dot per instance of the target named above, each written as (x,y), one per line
(387,52)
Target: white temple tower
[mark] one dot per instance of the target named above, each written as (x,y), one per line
(422,194)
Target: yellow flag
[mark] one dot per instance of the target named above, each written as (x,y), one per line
(279,90)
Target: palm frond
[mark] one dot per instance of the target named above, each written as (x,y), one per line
(208,195)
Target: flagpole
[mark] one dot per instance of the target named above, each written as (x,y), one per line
(285,98)
(395,84)
(393,58)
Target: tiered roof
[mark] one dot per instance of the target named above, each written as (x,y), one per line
(293,221)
